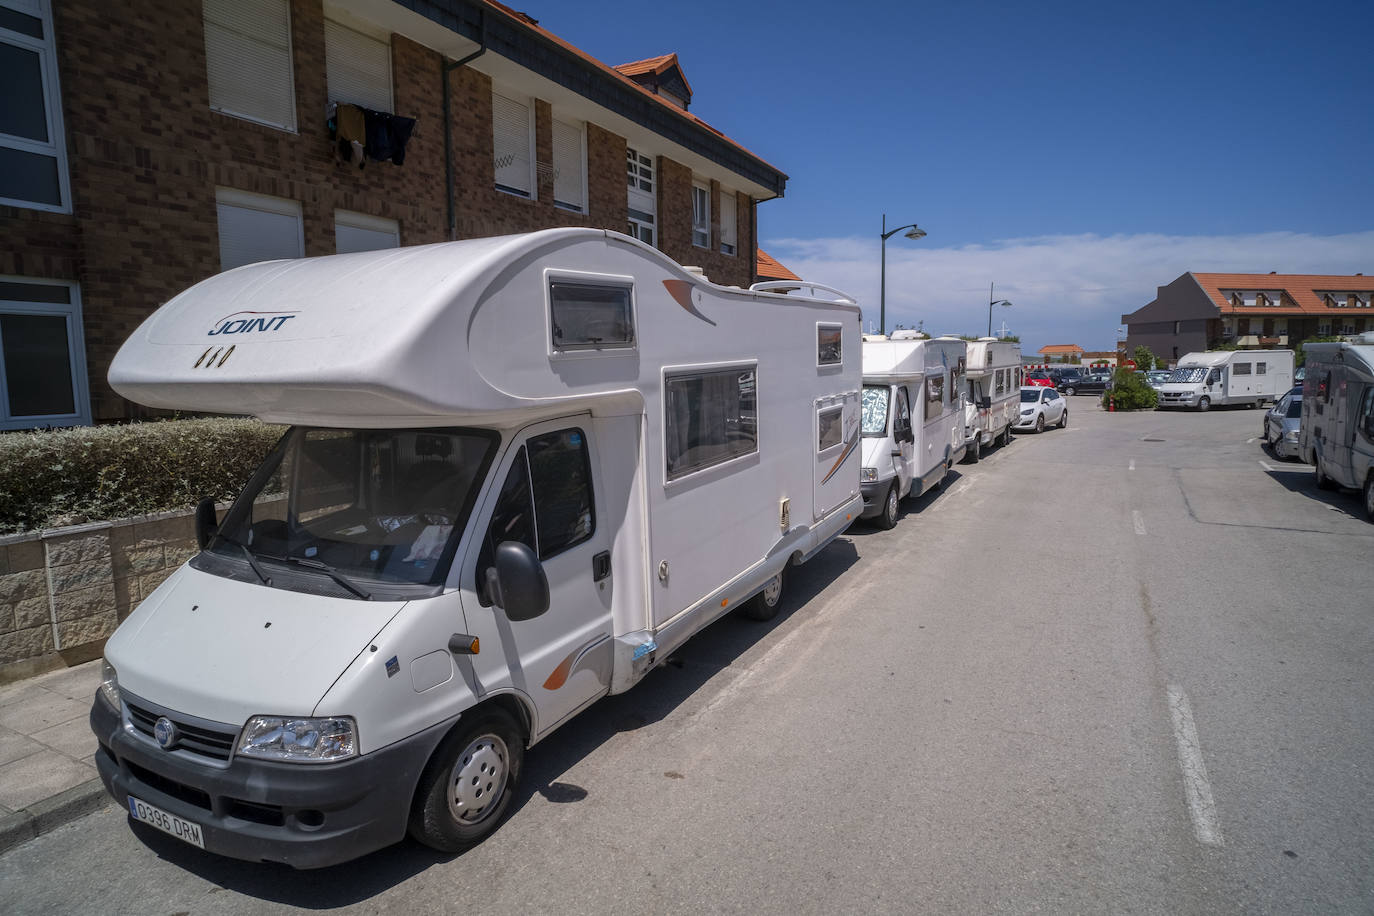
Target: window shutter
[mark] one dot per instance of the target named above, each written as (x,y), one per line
(360,232)
(248,60)
(256,228)
(511,135)
(358,67)
(568,181)
(728,231)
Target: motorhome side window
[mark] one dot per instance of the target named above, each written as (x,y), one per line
(1242,369)
(590,316)
(828,338)
(709,418)
(830,422)
(935,395)
(1260,368)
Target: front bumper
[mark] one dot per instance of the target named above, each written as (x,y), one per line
(874,492)
(1025,422)
(302,815)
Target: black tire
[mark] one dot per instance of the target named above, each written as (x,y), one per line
(1204,403)
(765,605)
(469,782)
(1040,423)
(1006,435)
(1369,497)
(1070,391)
(887,519)
(1064,420)
(1323,482)
(975,450)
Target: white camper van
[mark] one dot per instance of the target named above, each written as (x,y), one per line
(1215,377)
(519,472)
(1337,429)
(913,423)
(993,395)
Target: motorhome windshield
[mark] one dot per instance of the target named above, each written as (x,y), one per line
(875,403)
(1189,375)
(371,512)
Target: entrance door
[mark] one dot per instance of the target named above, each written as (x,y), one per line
(549,500)
(836,436)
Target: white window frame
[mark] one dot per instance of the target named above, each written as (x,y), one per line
(227,107)
(823,328)
(701,214)
(670,373)
(640,199)
(570,174)
(56,146)
(76,351)
(347,82)
(351,219)
(729,223)
(530,153)
(246,200)
(586,278)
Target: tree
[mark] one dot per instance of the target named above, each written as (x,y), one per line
(1144,359)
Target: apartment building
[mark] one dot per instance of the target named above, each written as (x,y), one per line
(147,145)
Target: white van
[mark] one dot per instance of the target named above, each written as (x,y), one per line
(1214,377)
(913,420)
(1336,433)
(519,472)
(993,394)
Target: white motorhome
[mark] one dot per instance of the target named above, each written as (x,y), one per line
(1215,377)
(913,421)
(518,473)
(1337,429)
(993,393)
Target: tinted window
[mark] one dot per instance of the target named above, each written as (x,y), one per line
(560,474)
(587,316)
(710,418)
(829,427)
(828,338)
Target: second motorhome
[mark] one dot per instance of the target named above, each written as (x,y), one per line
(993,396)
(1217,377)
(1337,430)
(913,421)
(519,472)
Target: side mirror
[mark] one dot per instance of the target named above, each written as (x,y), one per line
(985,402)
(905,434)
(206,523)
(517,583)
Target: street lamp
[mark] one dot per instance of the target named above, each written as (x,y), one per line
(991,303)
(916,233)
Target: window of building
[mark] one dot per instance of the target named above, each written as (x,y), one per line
(33,153)
(357,67)
(42,355)
(248,60)
(729,231)
(1242,326)
(590,316)
(828,345)
(569,166)
(1261,300)
(701,215)
(255,227)
(1329,300)
(361,232)
(513,135)
(935,395)
(1236,301)
(710,417)
(639,180)
(1353,301)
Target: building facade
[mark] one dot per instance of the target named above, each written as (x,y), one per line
(154,144)
(1205,311)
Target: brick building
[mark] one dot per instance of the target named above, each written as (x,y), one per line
(150,145)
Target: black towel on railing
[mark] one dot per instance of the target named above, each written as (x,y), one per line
(387,135)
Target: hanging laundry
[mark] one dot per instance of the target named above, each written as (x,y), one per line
(352,133)
(387,135)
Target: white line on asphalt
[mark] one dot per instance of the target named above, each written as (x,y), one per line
(1201,807)
(1138,521)
(1131,466)
(1252,440)
(1288,468)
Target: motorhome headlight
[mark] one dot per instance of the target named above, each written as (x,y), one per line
(1291,435)
(109,683)
(299,740)
(868,474)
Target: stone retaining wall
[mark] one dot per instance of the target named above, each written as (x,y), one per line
(63,591)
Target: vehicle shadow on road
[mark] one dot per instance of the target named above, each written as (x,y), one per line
(1297,478)
(661,692)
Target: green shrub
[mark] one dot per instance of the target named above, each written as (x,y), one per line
(52,478)
(1130,392)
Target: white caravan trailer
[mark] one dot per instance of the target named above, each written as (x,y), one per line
(913,421)
(1337,429)
(519,472)
(993,393)
(1214,377)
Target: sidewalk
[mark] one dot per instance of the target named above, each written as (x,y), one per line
(47,777)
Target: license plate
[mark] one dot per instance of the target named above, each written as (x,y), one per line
(167,823)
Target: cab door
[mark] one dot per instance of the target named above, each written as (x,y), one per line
(903,439)
(549,499)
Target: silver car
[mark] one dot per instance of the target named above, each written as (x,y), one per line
(1281,425)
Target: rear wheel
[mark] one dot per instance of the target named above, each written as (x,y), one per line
(764,605)
(469,782)
(1323,481)
(975,450)
(1204,402)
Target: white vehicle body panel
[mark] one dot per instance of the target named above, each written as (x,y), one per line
(1338,409)
(994,368)
(1231,377)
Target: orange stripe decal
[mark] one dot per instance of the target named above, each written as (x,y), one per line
(681,291)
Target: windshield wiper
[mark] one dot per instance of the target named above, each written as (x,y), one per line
(331,573)
(248,554)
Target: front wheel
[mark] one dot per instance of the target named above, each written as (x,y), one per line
(1069,391)
(1204,403)
(1040,423)
(1064,420)
(1369,497)
(1324,482)
(975,450)
(469,782)
(887,519)
(764,605)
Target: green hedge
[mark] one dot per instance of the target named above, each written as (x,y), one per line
(1130,392)
(52,478)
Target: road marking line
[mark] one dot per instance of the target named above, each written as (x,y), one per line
(1266,465)
(1252,440)
(1201,807)
(1138,521)
(1131,466)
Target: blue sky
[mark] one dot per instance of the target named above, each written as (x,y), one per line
(1079,154)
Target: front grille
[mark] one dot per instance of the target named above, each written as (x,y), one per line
(188,794)
(195,738)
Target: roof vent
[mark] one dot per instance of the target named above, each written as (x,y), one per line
(694,270)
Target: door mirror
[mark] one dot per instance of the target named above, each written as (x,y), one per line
(206,523)
(985,402)
(517,583)
(904,434)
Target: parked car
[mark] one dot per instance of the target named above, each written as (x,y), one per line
(1041,407)
(1092,383)
(1157,377)
(1067,379)
(1039,378)
(1281,424)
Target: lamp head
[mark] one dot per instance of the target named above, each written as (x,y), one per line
(916,232)
(1003,302)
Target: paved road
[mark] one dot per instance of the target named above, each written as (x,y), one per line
(1123,667)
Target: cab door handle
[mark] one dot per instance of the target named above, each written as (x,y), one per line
(601,565)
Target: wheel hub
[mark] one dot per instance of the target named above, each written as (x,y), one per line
(478,779)
(772,590)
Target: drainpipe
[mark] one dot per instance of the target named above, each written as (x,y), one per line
(444,72)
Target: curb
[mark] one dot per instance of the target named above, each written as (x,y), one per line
(50,813)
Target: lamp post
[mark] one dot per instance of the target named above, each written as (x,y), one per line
(916,233)
(991,303)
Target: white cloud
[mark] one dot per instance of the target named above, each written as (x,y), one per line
(1064,289)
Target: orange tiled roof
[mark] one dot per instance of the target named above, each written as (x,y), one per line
(1061,348)
(657,65)
(770,269)
(1302,290)
(533,25)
